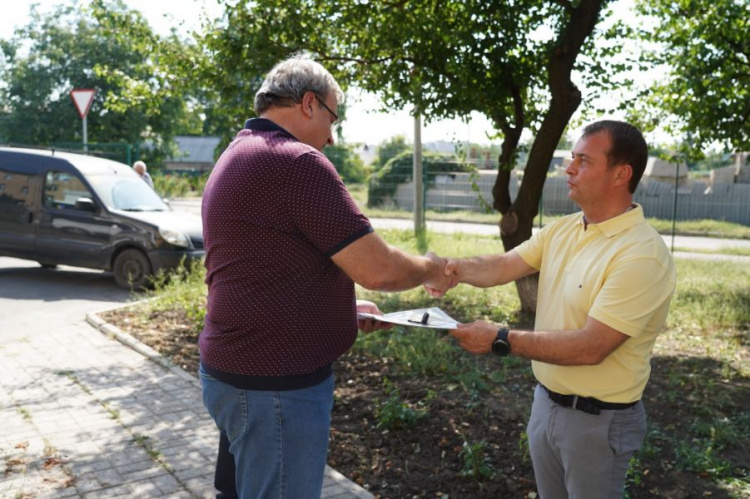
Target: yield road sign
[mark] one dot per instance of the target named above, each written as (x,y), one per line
(82,98)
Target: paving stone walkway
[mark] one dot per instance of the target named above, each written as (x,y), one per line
(83,415)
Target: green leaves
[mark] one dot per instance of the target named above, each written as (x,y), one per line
(106,47)
(395,413)
(705,91)
(477,464)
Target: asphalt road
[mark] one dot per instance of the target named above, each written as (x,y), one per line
(34,300)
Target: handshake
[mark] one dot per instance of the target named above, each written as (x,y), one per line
(443,276)
(438,275)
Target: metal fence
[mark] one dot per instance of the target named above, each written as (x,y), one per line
(124,153)
(464,191)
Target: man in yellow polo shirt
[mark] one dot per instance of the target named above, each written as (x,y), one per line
(606,280)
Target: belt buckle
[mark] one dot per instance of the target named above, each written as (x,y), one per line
(587,406)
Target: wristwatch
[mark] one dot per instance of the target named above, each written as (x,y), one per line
(501,345)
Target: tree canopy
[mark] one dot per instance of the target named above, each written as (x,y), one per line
(389,149)
(511,61)
(347,162)
(238,50)
(704,94)
(73,47)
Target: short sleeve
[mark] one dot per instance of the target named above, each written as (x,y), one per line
(320,206)
(532,250)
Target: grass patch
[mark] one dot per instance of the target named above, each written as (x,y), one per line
(717,251)
(707,228)
(183,290)
(711,305)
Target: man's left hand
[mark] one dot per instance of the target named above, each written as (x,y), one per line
(476,337)
(368,325)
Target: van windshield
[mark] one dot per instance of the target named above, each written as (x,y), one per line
(126,193)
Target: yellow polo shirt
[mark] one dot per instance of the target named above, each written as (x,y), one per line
(619,272)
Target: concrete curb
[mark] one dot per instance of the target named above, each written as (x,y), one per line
(128,340)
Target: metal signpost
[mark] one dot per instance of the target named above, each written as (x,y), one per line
(82,98)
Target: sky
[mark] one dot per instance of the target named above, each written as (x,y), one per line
(364,124)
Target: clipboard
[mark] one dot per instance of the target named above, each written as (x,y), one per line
(432,317)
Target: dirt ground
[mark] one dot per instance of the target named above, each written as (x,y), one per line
(429,459)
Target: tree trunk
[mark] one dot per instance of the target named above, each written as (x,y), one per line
(518,217)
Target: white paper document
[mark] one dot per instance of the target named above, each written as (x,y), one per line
(421,317)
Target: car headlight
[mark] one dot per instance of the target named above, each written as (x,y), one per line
(175,238)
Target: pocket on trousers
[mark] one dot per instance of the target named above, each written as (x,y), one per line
(227,406)
(628,430)
(202,375)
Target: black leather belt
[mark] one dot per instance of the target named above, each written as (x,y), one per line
(588,405)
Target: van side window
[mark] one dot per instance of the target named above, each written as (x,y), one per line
(61,190)
(14,196)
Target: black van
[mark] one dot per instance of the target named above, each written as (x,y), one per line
(63,208)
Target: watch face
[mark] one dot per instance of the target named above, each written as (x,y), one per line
(500,347)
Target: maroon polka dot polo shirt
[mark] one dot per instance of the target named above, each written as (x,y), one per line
(279,310)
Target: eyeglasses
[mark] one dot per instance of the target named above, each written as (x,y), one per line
(335,116)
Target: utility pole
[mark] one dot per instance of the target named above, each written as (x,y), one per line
(419,219)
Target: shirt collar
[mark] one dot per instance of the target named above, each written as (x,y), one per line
(265,125)
(620,223)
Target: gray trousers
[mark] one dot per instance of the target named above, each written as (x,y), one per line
(582,456)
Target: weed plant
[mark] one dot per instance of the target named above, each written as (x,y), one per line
(394,413)
(476,464)
(183,291)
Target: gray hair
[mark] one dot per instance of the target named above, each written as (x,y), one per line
(291,79)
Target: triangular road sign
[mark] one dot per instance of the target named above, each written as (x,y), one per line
(82,98)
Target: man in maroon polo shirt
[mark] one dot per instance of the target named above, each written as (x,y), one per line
(285,244)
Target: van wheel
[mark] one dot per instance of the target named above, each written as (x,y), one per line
(132,269)
(48,265)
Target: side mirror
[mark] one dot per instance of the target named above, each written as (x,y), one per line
(85,204)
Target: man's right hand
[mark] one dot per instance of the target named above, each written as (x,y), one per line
(446,279)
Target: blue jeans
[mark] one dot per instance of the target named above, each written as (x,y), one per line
(279,439)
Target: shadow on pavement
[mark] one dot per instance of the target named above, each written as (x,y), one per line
(65,283)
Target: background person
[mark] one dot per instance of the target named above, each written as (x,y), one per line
(285,244)
(606,280)
(140,169)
